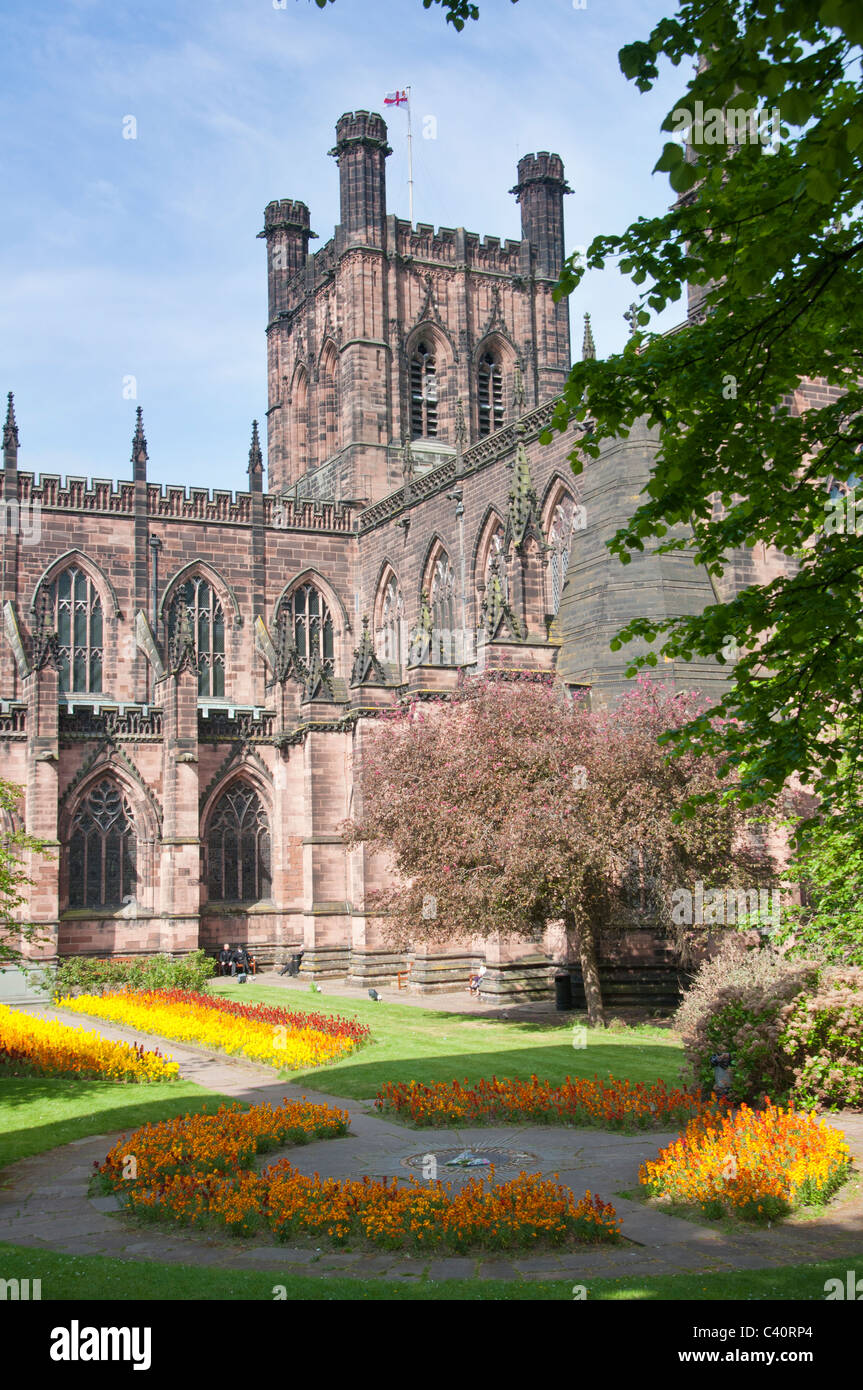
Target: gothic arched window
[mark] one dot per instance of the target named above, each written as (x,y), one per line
(239,868)
(392,618)
(196,600)
(75,610)
(102,849)
(329,404)
(494,559)
(305,612)
(300,411)
(564,521)
(490,394)
(423,392)
(443,610)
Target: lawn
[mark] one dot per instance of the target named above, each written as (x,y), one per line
(38,1113)
(413,1044)
(94,1278)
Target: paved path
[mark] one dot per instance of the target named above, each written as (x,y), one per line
(44,1202)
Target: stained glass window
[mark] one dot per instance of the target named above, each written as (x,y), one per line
(564,521)
(392,616)
(238,848)
(443,610)
(102,849)
(207,623)
(305,611)
(77,620)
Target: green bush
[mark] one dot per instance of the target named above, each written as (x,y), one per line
(91,976)
(823,1040)
(738,1003)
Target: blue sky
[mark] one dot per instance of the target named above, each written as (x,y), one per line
(138,258)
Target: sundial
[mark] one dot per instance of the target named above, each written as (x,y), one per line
(476,1159)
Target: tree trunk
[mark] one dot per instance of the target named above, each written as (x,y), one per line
(587,957)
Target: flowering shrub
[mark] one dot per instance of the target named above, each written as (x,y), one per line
(149,972)
(737,1004)
(612,1104)
(757,1164)
(202,1018)
(823,1040)
(194,1171)
(41,1047)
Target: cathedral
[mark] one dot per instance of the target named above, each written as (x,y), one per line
(188,676)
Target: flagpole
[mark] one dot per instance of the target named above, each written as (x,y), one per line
(410,163)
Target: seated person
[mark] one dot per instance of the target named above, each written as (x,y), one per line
(292,966)
(240,961)
(224,958)
(476,980)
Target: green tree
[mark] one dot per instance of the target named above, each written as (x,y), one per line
(772,235)
(14,843)
(828,926)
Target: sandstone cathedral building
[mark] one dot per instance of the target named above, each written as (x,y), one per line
(187,676)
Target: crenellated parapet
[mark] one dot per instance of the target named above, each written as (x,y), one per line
(168,501)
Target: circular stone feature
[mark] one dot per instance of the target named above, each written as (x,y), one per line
(501,1158)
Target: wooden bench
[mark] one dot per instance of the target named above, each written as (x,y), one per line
(402,977)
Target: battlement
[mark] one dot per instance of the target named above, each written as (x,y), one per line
(102,496)
(455,246)
(365,126)
(286,212)
(540,168)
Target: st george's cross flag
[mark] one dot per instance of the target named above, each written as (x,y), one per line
(395,98)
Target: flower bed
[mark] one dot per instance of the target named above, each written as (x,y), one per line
(755,1164)
(610,1104)
(194,1171)
(35,1046)
(276,1037)
(265,1013)
(212,1143)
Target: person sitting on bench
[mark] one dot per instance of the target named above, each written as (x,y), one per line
(226,955)
(240,964)
(476,980)
(292,966)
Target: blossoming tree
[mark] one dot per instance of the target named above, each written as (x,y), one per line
(515,805)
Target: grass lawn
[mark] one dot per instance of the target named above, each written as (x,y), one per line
(93,1278)
(38,1113)
(412,1044)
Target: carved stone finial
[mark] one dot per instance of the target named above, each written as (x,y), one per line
(366,664)
(139,443)
(408,466)
(317,675)
(256,458)
(588,346)
(46,643)
(519,400)
(10,429)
